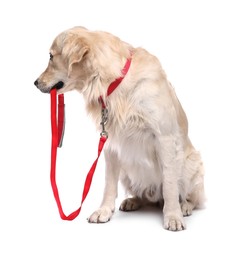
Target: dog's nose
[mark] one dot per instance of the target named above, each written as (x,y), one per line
(36,83)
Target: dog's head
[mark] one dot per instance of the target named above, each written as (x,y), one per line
(68,65)
(84,60)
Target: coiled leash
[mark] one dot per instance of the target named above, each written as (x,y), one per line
(57,130)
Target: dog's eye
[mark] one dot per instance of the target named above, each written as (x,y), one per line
(51,56)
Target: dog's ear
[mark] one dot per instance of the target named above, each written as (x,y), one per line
(75,50)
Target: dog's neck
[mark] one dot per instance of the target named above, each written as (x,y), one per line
(97,90)
(116,82)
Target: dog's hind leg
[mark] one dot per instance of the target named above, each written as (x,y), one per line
(131,204)
(187,207)
(194,173)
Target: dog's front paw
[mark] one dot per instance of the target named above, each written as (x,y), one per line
(174,223)
(102,215)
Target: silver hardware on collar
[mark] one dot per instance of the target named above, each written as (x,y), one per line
(104,116)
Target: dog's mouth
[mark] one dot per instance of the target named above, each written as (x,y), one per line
(58,85)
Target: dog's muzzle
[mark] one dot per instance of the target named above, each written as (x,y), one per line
(57,86)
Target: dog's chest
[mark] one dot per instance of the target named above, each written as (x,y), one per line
(135,150)
(140,169)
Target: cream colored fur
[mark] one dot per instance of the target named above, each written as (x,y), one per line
(148,147)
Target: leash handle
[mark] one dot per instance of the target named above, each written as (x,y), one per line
(57,134)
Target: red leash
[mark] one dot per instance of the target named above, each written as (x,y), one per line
(57,130)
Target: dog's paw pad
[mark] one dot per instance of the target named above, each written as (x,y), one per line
(130,204)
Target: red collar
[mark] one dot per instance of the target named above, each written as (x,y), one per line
(116,82)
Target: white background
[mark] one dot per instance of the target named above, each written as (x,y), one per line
(201,45)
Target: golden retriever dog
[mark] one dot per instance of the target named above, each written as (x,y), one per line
(148,148)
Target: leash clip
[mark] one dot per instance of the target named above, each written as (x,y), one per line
(104,116)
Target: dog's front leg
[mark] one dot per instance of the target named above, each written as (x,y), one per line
(171,159)
(106,210)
